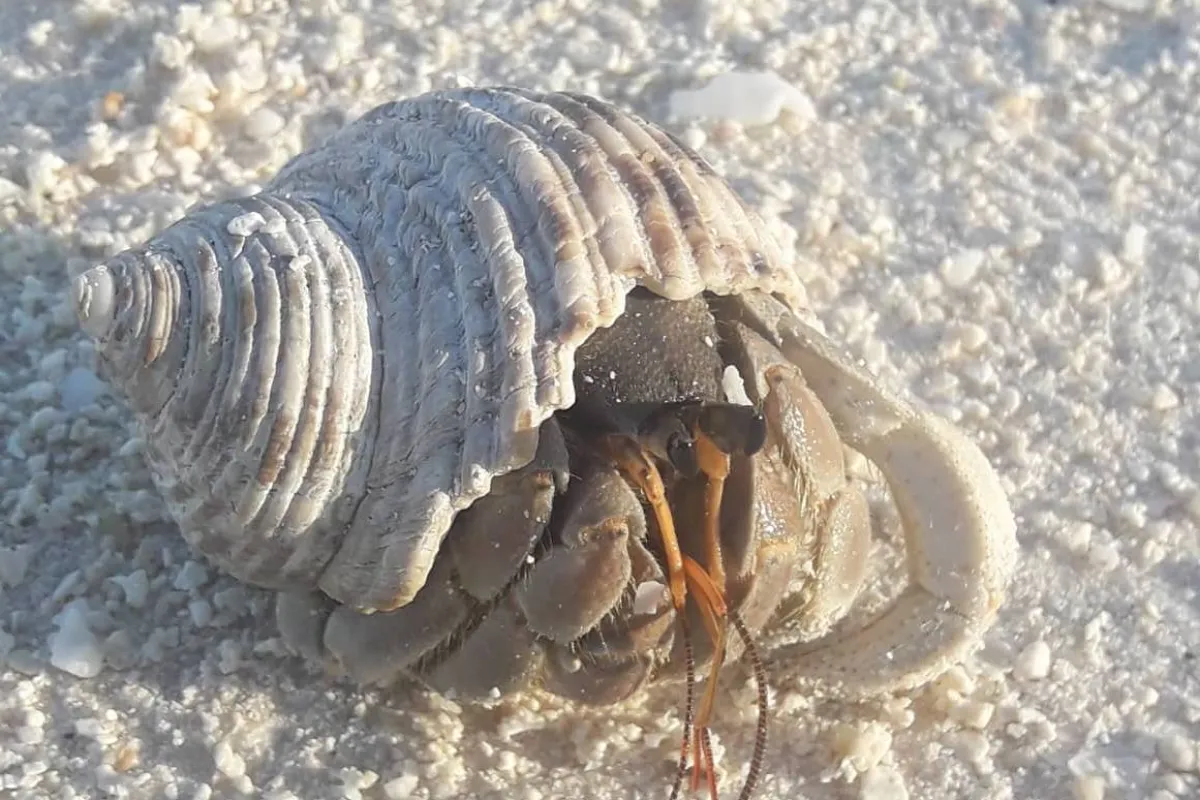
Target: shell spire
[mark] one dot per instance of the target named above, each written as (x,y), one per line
(240,337)
(132,306)
(92,295)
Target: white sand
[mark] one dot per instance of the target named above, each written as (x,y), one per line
(1003,199)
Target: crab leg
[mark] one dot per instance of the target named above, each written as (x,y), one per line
(959,531)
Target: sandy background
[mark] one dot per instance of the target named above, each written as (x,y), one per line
(1003,199)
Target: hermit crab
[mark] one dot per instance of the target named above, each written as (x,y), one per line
(501,388)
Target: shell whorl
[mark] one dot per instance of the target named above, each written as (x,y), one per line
(240,338)
(489,233)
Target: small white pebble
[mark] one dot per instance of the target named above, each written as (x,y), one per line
(229,655)
(750,98)
(135,585)
(1033,663)
(735,386)
(695,137)
(882,783)
(228,763)
(79,389)
(1127,5)
(192,575)
(958,680)
(30,735)
(1177,752)
(974,714)
(168,51)
(195,91)
(201,612)
(972,337)
(1173,786)
(14,562)
(1109,271)
(73,647)
(400,788)
(1133,246)
(1026,239)
(42,171)
(864,747)
(91,728)
(1104,557)
(650,597)
(262,124)
(1089,787)
(245,224)
(960,269)
(1163,398)
(973,747)
(899,712)
(217,33)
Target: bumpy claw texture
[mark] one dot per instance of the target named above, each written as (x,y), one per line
(387,384)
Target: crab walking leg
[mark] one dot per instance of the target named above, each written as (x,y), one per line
(959,531)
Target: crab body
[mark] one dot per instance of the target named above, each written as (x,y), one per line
(399,384)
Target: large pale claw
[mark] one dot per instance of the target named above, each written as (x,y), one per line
(959,531)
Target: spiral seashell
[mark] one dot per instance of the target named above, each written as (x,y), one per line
(328,371)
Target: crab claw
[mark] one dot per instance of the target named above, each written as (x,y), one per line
(959,531)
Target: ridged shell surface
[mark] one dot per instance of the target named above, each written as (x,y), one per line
(331,369)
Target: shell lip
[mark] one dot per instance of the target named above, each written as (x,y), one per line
(93,296)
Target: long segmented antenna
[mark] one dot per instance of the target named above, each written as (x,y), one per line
(703,743)
(689,707)
(707,589)
(760,681)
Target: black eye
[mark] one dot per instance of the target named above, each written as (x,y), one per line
(681,450)
(755,433)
